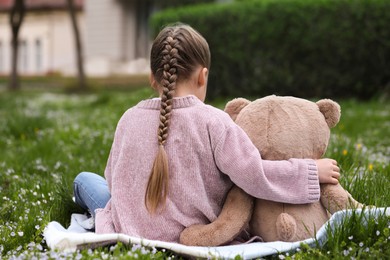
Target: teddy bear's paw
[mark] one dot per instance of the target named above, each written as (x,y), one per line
(286,227)
(232,220)
(195,236)
(353,204)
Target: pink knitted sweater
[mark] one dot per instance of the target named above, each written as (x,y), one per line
(207,153)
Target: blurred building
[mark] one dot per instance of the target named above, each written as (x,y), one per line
(115,37)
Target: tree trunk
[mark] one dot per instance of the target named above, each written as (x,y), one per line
(79,49)
(16,18)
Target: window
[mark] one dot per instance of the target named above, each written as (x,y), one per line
(38,55)
(1,57)
(23,56)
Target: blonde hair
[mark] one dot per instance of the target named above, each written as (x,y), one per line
(176,52)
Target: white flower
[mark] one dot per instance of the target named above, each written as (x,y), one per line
(20,233)
(378,232)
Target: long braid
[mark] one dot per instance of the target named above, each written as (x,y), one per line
(157,189)
(168,87)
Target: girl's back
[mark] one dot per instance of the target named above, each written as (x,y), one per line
(197,187)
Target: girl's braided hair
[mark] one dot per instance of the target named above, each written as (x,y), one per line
(176,52)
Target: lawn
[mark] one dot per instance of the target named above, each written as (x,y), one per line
(47,138)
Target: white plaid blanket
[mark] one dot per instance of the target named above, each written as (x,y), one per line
(76,237)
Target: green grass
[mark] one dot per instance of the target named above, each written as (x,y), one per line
(47,138)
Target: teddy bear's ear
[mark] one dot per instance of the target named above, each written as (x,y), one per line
(331,111)
(234,107)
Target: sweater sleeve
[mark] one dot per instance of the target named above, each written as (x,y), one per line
(292,181)
(115,147)
(108,170)
(103,220)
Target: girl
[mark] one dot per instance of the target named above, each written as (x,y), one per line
(174,159)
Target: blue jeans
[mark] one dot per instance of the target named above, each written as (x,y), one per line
(91,191)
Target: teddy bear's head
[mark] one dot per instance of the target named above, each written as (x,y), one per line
(286,127)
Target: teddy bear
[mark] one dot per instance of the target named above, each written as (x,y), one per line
(281,128)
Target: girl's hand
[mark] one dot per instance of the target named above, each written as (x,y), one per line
(328,171)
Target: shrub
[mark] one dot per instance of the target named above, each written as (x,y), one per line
(179,3)
(306,48)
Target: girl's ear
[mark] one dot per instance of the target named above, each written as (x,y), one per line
(202,78)
(152,81)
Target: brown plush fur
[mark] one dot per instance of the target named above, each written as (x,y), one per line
(237,209)
(281,128)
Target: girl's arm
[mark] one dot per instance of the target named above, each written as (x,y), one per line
(291,181)
(108,171)
(118,136)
